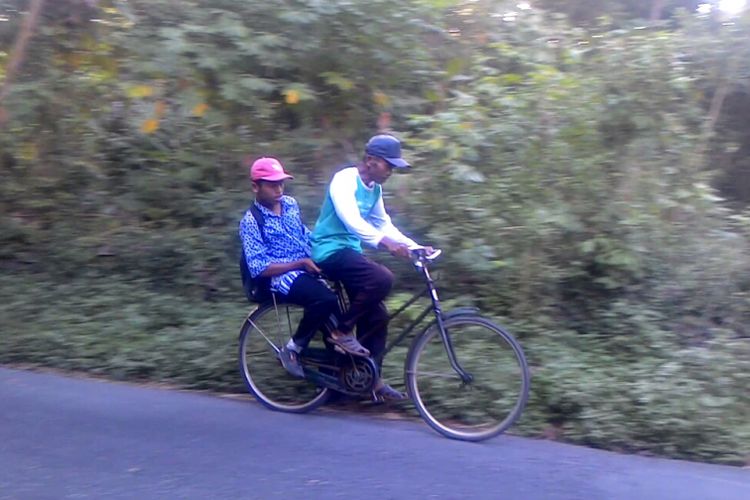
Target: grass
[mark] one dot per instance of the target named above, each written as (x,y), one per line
(677,401)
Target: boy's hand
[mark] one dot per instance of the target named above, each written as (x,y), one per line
(309,266)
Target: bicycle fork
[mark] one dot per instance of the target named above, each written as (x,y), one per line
(466,377)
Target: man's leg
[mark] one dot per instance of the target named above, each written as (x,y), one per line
(366,282)
(319,303)
(372,331)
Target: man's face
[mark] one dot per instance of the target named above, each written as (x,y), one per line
(379,169)
(268,192)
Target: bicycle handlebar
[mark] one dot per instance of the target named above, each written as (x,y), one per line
(419,255)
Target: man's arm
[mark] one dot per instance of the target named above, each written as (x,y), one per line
(382,221)
(342,191)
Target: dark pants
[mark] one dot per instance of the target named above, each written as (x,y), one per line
(319,303)
(367,284)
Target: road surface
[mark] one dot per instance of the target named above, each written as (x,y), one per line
(73,438)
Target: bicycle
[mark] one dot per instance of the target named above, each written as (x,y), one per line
(467,376)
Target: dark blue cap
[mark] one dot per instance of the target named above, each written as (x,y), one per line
(388,148)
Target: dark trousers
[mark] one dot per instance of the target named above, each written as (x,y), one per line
(366,283)
(319,302)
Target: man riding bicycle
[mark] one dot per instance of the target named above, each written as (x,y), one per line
(353,212)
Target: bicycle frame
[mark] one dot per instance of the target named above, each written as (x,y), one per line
(434,307)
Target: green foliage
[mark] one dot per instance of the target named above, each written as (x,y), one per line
(121,330)
(575,177)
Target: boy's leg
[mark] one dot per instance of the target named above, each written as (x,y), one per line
(319,303)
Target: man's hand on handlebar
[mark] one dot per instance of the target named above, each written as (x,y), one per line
(420,253)
(394,248)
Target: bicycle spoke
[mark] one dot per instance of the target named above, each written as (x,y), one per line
(260,332)
(452,374)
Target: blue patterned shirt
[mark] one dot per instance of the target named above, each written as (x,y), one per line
(288,240)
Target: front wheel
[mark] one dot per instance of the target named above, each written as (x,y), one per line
(483,407)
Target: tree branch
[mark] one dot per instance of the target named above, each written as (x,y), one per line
(18,52)
(714,110)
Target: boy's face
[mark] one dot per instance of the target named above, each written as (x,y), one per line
(268,193)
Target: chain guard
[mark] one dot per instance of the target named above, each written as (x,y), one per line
(345,373)
(359,375)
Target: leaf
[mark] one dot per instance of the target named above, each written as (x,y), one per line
(150,126)
(466,173)
(291,96)
(455,66)
(29,151)
(338,80)
(511,79)
(297,92)
(140,91)
(200,109)
(381,98)
(256,84)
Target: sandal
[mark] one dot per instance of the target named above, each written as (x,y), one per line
(348,344)
(386,393)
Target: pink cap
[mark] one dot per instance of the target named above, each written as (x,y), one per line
(268,169)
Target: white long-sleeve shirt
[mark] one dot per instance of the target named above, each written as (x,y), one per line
(352,212)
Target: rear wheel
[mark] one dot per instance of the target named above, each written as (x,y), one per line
(263,334)
(483,407)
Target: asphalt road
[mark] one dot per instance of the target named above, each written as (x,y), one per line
(63,437)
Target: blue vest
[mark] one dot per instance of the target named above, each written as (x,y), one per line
(330,234)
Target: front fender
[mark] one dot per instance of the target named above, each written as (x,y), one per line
(460,311)
(454,313)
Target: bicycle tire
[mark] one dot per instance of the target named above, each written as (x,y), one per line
(264,331)
(502,394)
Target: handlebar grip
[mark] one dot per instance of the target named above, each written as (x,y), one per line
(421,253)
